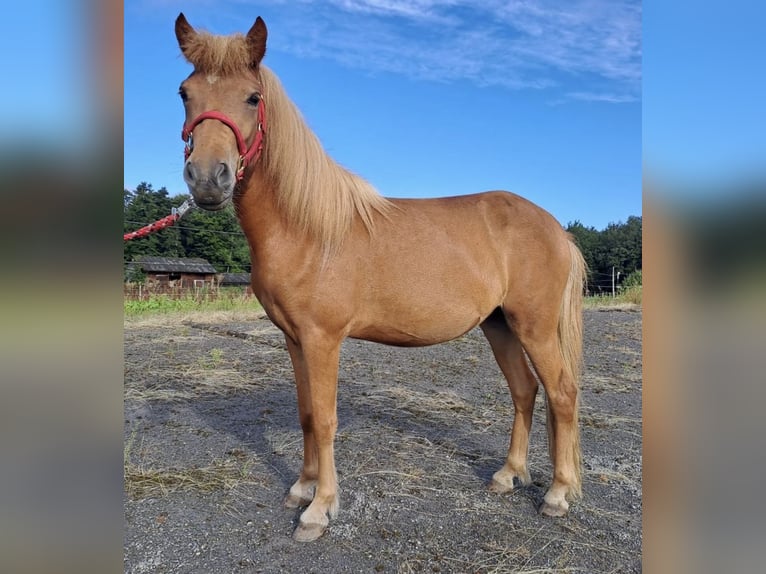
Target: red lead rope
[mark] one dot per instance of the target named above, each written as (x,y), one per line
(160,224)
(152,227)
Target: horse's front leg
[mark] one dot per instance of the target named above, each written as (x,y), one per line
(302,492)
(316,372)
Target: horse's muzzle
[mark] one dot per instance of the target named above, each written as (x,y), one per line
(211,188)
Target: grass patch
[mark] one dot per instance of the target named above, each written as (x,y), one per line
(196,383)
(167,305)
(627,299)
(220,475)
(213,360)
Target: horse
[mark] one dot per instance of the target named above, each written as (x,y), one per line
(332,259)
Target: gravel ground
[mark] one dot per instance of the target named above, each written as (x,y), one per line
(212,443)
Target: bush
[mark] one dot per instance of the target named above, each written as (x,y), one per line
(632,294)
(634,279)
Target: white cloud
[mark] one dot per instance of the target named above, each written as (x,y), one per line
(584,49)
(602,97)
(417,9)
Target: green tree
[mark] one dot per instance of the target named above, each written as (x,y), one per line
(587,239)
(616,249)
(142,206)
(213,236)
(216,237)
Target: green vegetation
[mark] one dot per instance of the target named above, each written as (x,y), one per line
(635,279)
(614,253)
(213,360)
(625,298)
(215,237)
(224,300)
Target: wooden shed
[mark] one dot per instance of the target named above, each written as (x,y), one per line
(182,272)
(236,280)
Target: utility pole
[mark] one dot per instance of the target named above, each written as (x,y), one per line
(613,280)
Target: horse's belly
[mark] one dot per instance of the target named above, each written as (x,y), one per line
(418,329)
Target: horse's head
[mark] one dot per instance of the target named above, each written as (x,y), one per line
(223,97)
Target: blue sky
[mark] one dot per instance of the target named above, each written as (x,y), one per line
(425,98)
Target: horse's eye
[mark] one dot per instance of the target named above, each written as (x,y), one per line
(254,99)
(183,94)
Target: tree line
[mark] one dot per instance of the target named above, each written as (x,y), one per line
(213,236)
(217,238)
(612,252)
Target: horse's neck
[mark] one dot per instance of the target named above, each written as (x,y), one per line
(257,210)
(274,242)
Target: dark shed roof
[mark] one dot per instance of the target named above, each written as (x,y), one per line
(234,279)
(152,264)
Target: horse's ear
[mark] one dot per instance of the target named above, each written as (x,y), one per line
(184,32)
(256,40)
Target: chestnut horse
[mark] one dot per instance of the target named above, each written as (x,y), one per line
(331,258)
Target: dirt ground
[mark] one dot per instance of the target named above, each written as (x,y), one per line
(212,443)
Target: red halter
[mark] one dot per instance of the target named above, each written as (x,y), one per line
(245,154)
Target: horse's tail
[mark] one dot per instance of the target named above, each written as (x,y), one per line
(570,343)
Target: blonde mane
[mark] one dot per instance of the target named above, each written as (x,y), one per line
(313,191)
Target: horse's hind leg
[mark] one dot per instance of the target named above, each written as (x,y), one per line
(523,386)
(562,391)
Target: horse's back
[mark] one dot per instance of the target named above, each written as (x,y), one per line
(493,211)
(494,229)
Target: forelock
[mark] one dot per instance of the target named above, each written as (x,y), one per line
(218,55)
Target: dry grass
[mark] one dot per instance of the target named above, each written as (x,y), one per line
(630,299)
(219,475)
(608,304)
(197,383)
(285,443)
(172,369)
(205,377)
(169,372)
(438,405)
(519,559)
(600,384)
(608,476)
(418,403)
(202,316)
(608,421)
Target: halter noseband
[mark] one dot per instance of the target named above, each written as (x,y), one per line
(246,154)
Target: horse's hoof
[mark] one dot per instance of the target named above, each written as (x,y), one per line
(554,510)
(308,532)
(498,487)
(292,501)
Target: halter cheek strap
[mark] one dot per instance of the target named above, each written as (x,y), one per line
(246,154)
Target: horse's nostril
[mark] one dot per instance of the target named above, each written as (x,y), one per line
(222,175)
(190,172)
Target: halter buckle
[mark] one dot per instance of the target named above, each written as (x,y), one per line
(189,147)
(240,167)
